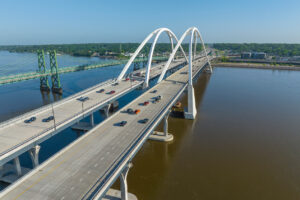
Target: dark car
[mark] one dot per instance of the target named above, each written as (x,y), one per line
(154,91)
(144,121)
(127,79)
(100,91)
(115,84)
(122,123)
(130,111)
(111,92)
(48,119)
(31,119)
(146,103)
(83,99)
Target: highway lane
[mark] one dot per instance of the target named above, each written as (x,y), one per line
(88,162)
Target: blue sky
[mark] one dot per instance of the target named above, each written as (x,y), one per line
(79,21)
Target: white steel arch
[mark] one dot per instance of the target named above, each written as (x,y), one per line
(191,31)
(157,34)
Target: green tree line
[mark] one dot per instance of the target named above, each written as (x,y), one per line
(271,49)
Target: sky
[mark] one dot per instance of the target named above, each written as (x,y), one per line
(91,21)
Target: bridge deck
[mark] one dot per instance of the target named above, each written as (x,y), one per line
(16,137)
(89,162)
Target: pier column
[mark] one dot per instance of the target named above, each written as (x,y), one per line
(191,110)
(92,123)
(163,136)
(34,155)
(106,110)
(123,182)
(1,171)
(17,166)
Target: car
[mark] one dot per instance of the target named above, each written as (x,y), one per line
(111,92)
(144,121)
(115,84)
(137,111)
(154,91)
(83,99)
(146,103)
(100,91)
(48,119)
(130,111)
(127,79)
(123,123)
(31,119)
(183,72)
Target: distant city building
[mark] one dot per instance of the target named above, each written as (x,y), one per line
(253,55)
(246,55)
(258,55)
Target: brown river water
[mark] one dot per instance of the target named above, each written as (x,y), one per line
(244,143)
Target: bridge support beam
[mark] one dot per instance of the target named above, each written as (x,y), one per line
(17,166)
(191,110)
(162,136)
(34,155)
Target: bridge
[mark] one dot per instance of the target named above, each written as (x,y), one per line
(33,75)
(88,167)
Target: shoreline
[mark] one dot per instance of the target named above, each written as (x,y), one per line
(256,66)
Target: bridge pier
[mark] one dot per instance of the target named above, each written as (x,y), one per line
(191,110)
(17,166)
(162,136)
(92,123)
(123,182)
(121,194)
(106,110)
(85,126)
(1,171)
(34,155)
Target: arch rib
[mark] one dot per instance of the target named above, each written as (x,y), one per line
(157,32)
(190,30)
(171,36)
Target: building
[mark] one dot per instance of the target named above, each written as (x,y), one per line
(253,55)
(258,55)
(245,55)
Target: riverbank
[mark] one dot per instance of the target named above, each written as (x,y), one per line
(256,66)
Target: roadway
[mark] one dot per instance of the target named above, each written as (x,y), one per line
(17,137)
(92,162)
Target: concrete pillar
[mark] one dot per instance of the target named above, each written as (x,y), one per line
(92,123)
(166,125)
(106,110)
(191,110)
(34,155)
(162,136)
(17,166)
(123,182)
(1,171)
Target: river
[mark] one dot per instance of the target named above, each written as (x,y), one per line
(244,143)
